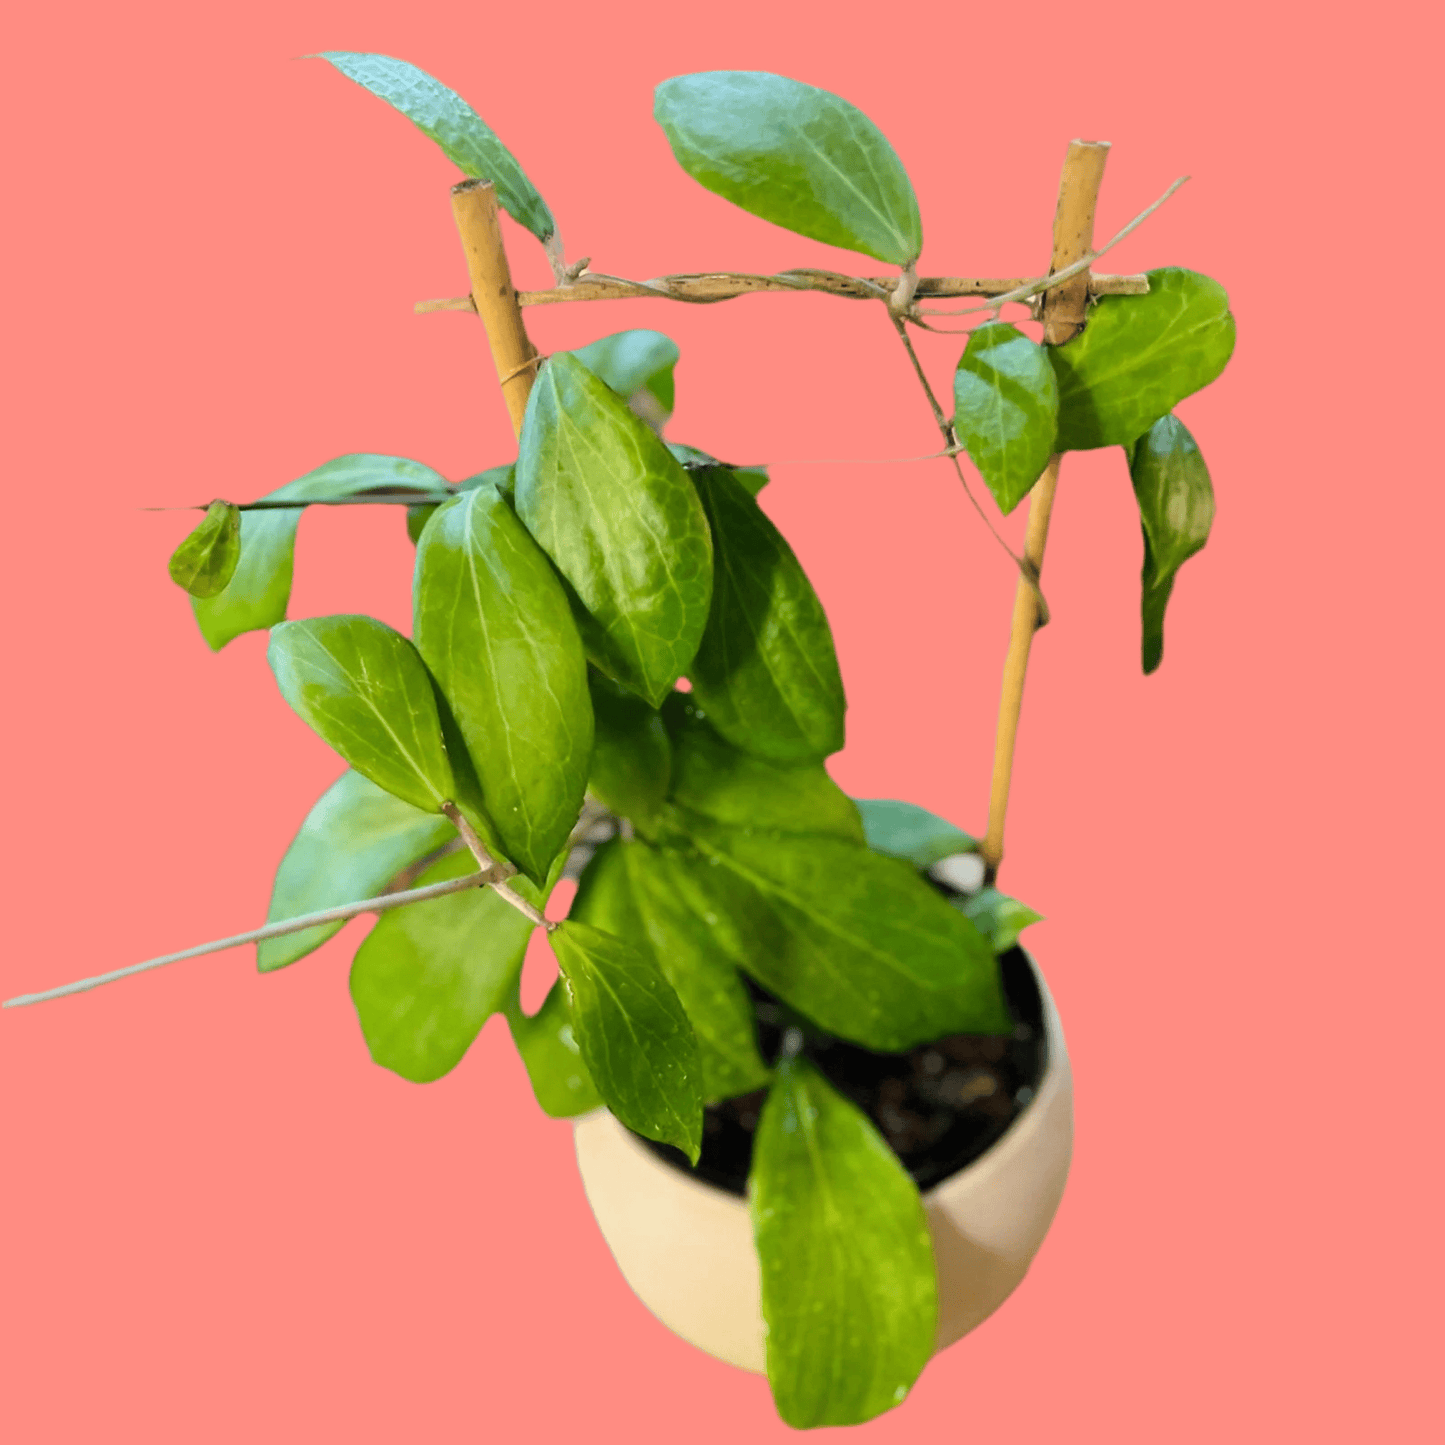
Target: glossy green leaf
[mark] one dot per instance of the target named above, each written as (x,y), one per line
(632,758)
(365,690)
(1139,356)
(429,975)
(795,155)
(494,626)
(632,891)
(608,503)
(257,594)
(464,137)
(998,917)
(1176,508)
(549,1051)
(753,478)
(636,361)
(904,830)
(717,781)
(765,672)
(856,941)
(206,560)
(850,1290)
(352,844)
(634,1034)
(1006,409)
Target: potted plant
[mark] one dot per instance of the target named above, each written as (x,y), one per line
(823,1100)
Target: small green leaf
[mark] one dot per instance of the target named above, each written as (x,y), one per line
(632,759)
(206,560)
(606,501)
(504,479)
(904,830)
(365,690)
(753,478)
(464,137)
(352,844)
(997,916)
(256,596)
(1176,508)
(795,155)
(429,975)
(717,781)
(765,673)
(1006,409)
(549,1050)
(1138,357)
(494,626)
(850,1290)
(636,361)
(634,1035)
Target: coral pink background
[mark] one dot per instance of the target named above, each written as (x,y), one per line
(220,1221)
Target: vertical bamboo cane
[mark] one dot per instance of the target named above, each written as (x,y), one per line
(1063,313)
(474,205)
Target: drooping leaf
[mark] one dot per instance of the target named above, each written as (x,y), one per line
(632,758)
(1006,409)
(850,1290)
(608,503)
(717,781)
(352,844)
(634,1035)
(549,1050)
(429,975)
(259,589)
(464,137)
(636,361)
(852,939)
(1139,356)
(1176,508)
(494,626)
(206,560)
(364,690)
(904,830)
(753,478)
(629,890)
(765,672)
(795,155)
(998,917)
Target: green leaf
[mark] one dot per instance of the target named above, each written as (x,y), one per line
(904,830)
(765,673)
(1006,409)
(429,975)
(753,478)
(632,759)
(416,520)
(605,499)
(634,1035)
(257,594)
(206,560)
(636,361)
(716,780)
(504,479)
(633,892)
(997,916)
(549,1050)
(852,939)
(1176,508)
(850,1290)
(464,137)
(354,841)
(795,155)
(364,690)
(1139,356)
(494,626)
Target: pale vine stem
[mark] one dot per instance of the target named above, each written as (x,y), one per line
(494,874)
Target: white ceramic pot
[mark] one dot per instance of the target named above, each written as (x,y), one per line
(686,1247)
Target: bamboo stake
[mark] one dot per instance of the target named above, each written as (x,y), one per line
(474,205)
(1063,315)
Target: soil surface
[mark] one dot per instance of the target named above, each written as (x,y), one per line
(939,1106)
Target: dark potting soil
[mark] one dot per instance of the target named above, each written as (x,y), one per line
(939,1106)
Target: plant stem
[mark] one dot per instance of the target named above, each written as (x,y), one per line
(474,206)
(494,874)
(1064,308)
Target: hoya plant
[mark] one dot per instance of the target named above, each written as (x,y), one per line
(618,671)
